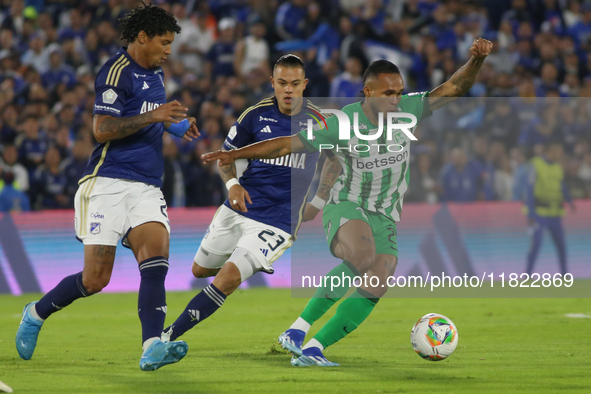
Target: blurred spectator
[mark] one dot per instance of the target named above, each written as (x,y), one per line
(423,187)
(350,82)
(12,199)
(194,42)
(10,164)
(252,52)
(57,72)
(220,58)
(503,180)
(290,20)
(50,184)
(173,181)
(73,166)
(459,182)
(33,146)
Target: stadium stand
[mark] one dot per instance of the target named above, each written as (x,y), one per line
(50,51)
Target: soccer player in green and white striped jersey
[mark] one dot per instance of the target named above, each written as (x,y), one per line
(366,202)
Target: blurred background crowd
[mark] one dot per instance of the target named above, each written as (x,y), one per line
(476,149)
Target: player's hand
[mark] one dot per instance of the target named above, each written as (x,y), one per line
(172,112)
(224,157)
(238,197)
(481,48)
(193,132)
(310,212)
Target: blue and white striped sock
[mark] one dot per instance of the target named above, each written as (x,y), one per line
(199,308)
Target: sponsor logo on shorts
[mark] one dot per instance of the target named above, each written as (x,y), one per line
(96,215)
(95,228)
(264,252)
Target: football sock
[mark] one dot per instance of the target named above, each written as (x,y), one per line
(152,296)
(325,298)
(62,295)
(198,309)
(313,343)
(301,324)
(350,314)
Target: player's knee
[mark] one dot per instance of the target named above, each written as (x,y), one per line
(95,284)
(202,272)
(228,279)
(363,260)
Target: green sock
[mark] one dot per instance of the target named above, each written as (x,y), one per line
(324,298)
(350,314)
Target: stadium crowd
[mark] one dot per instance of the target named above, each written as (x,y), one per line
(531,89)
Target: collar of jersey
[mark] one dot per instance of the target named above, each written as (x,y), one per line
(123,50)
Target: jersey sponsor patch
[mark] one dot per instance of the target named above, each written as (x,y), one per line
(232,133)
(105,108)
(109,96)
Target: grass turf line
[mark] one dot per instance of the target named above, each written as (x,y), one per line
(506,346)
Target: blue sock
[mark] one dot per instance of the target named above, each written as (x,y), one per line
(62,295)
(199,308)
(152,296)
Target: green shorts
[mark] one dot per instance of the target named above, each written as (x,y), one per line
(383,228)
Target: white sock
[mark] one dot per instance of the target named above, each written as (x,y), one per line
(34,313)
(148,342)
(313,343)
(301,324)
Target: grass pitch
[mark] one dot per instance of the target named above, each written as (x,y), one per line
(505,346)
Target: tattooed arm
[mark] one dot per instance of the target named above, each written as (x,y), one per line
(108,128)
(330,172)
(463,79)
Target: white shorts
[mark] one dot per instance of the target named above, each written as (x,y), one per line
(229,230)
(106,209)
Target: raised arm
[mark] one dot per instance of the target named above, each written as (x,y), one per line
(269,149)
(463,79)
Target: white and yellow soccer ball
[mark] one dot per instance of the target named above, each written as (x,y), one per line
(434,337)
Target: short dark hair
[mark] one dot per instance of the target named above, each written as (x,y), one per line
(155,21)
(380,67)
(289,60)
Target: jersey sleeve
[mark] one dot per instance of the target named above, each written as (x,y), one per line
(418,104)
(112,87)
(241,133)
(321,135)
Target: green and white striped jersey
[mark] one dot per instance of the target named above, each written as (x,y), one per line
(375,172)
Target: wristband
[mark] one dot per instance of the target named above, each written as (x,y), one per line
(231,183)
(179,129)
(317,202)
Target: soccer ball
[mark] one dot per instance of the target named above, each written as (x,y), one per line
(434,337)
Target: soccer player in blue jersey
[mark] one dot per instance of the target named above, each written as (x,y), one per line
(119,195)
(261,216)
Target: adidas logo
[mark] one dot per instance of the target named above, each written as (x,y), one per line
(194,313)
(265,251)
(266,129)
(162,308)
(145,86)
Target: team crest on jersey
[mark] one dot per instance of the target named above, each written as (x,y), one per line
(95,228)
(109,96)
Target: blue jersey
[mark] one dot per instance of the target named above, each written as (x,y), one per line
(125,89)
(277,187)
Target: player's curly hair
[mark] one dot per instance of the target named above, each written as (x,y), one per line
(155,21)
